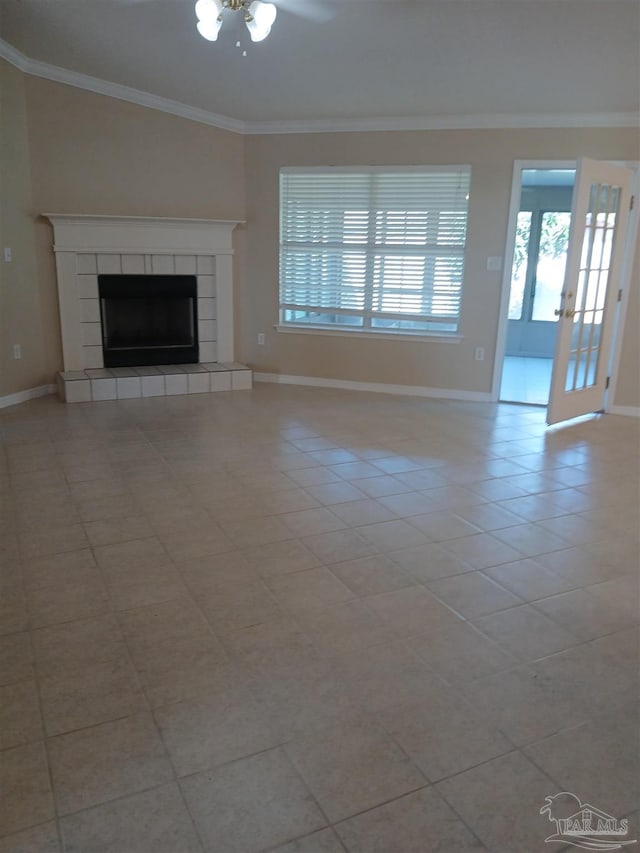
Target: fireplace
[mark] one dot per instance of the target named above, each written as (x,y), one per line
(145,250)
(148,319)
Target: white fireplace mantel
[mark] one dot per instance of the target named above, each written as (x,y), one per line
(87,245)
(141,234)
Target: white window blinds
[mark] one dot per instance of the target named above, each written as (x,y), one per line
(373,249)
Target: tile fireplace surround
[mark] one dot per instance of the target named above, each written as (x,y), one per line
(86,246)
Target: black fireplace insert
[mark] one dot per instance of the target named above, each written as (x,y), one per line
(148,319)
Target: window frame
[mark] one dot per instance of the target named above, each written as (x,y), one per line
(426,253)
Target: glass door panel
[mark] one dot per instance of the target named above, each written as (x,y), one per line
(584,357)
(552,259)
(520,264)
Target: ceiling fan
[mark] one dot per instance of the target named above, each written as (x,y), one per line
(316,10)
(258,15)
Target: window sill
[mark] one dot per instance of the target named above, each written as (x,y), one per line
(416,337)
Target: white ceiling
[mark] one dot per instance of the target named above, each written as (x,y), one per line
(383,59)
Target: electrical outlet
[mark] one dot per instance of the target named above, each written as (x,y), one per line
(7,255)
(494,263)
(261,339)
(17,351)
(479,353)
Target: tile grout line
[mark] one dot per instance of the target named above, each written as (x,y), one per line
(45,743)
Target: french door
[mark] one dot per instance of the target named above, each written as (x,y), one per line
(587,310)
(542,236)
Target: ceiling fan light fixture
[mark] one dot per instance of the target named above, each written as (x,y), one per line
(208,10)
(209,29)
(259,19)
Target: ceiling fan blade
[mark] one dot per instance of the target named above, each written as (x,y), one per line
(312,10)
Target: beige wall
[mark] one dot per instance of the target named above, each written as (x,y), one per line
(627,391)
(21,309)
(491,154)
(92,154)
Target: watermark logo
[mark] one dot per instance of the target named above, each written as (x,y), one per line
(583,825)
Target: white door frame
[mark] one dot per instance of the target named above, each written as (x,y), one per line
(625,278)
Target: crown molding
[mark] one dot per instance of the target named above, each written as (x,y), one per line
(115,90)
(446,122)
(13,56)
(288,126)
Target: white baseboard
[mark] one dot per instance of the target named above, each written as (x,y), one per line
(29,394)
(629,411)
(376,387)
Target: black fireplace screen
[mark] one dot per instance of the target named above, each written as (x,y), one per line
(148,319)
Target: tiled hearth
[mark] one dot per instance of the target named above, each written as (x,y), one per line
(128,383)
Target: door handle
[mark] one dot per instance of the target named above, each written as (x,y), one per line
(559,312)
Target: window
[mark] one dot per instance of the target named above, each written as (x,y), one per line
(373,249)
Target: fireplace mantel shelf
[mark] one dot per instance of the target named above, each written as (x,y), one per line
(108,217)
(141,234)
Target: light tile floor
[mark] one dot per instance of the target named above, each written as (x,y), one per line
(526,380)
(311,621)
